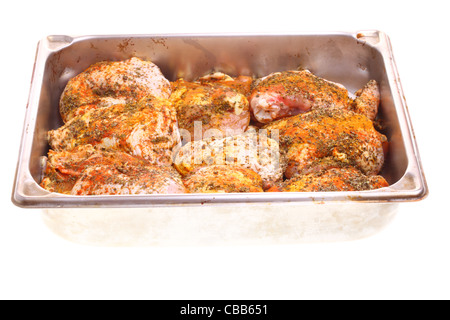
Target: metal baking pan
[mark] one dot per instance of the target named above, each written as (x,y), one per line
(350,58)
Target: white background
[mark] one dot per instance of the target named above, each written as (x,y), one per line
(409,259)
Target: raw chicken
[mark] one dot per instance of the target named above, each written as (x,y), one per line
(123,122)
(147,129)
(241,84)
(210,105)
(86,170)
(257,152)
(344,136)
(223,179)
(288,93)
(368,100)
(108,83)
(332,179)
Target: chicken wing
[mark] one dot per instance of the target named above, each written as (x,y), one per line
(86,170)
(107,83)
(147,129)
(223,179)
(367,100)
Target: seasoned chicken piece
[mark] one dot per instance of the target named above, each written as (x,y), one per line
(288,93)
(331,132)
(209,105)
(241,84)
(223,179)
(332,179)
(257,152)
(147,129)
(107,179)
(89,171)
(367,100)
(107,83)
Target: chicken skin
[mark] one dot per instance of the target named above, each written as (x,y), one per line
(86,170)
(223,179)
(332,179)
(367,100)
(252,151)
(241,84)
(210,104)
(331,132)
(288,93)
(147,129)
(107,83)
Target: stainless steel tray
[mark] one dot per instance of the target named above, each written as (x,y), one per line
(350,58)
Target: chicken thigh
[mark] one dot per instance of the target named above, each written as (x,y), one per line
(253,151)
(210,104)
(288,93)
(107,83)
(147,129)
(86,170)
(223,179)
(331,179)
(344,136)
